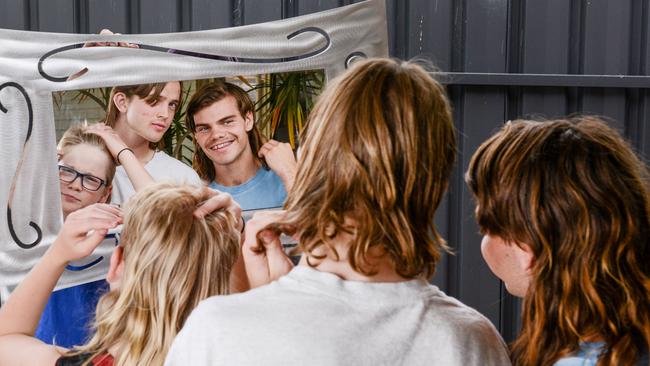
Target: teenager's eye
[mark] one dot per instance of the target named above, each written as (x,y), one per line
(201,129)
(229,122)
(173,106)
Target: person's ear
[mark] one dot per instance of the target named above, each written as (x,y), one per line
(249,121)
(107,194)
(121,102)
(115,268)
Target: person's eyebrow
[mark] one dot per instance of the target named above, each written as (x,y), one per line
(84,173)
(232,116)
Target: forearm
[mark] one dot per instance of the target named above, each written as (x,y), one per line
(22,312)
(136,172)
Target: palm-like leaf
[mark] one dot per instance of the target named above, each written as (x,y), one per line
(286,99)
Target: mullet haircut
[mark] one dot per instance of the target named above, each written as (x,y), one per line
(575,192)
(378,149)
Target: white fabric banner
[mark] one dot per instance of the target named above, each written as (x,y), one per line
(34,64)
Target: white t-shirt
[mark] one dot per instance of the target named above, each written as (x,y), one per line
(162,167)
(309,317)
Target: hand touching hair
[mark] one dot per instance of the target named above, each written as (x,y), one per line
(172,260)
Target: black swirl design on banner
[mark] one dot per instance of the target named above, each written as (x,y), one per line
(39,233)
(353,57)
(196,54)
(96,261)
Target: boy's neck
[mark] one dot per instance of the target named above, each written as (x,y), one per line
(378,259)
(238,172)
(135,142)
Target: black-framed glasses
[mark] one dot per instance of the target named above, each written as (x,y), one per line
(88,182)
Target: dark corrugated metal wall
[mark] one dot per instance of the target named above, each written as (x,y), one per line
(554,38)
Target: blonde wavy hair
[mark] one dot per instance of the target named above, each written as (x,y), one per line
(172,261)
(378,149)
(575,193)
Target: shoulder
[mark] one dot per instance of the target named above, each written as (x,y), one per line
(465,326)
(456,313)
(219,311)
(217,328)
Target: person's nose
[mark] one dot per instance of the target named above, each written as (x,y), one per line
(218,132)
(76,184)
(162,112)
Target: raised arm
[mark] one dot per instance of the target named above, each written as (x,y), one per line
(82,231)
(124,156)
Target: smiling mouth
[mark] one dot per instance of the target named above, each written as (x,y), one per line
(221,145)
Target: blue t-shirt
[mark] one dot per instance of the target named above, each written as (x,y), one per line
(264,190)
(588,356)
(68,313)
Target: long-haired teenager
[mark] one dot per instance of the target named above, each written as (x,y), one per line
(564,206)
(167,262)
(140,115)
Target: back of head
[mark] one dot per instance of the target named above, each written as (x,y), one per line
(574,191)
(76,135)
(172,261)
(206,96)
(378,149)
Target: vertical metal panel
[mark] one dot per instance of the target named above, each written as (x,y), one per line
(485,36)
(113,15)
(159,16)
(605,102)
(15,15)
(546,37)
(210,14)
(57,16)
(313,6)
(482,115)
(483,110)
(259,11)
(607,50)
(397,15)
(607,37)
(642,136)
(545,49)
(428,31)
(441,276)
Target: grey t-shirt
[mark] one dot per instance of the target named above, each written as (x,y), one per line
(309,317)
